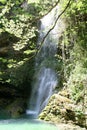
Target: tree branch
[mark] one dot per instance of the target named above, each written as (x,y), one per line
(49,10)
(53,25)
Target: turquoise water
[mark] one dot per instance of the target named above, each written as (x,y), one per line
(25,124)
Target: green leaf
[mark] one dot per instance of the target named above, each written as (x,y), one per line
(3,1)
(27,52)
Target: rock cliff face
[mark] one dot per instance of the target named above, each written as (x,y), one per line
(14,86)
(7,91)
(12,103)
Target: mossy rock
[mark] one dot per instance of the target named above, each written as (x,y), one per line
(61,109)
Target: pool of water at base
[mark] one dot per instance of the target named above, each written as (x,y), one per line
(26,124)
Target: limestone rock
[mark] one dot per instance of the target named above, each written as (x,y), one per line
(61,109)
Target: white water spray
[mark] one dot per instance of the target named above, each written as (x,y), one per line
(45,76)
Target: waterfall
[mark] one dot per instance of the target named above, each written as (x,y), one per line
(45,79)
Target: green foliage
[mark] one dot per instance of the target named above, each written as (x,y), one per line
(76,82)
(75,65)
(15,21)
(3,1)
(18,37)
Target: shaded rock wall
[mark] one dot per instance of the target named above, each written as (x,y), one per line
(15,82)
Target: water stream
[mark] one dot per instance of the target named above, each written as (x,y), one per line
(45,79)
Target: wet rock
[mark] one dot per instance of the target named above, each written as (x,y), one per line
(16,108)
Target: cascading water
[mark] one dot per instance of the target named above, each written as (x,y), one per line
(45,76)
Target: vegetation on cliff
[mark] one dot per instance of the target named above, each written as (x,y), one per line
(72,61)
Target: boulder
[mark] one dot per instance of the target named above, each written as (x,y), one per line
(61,109)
